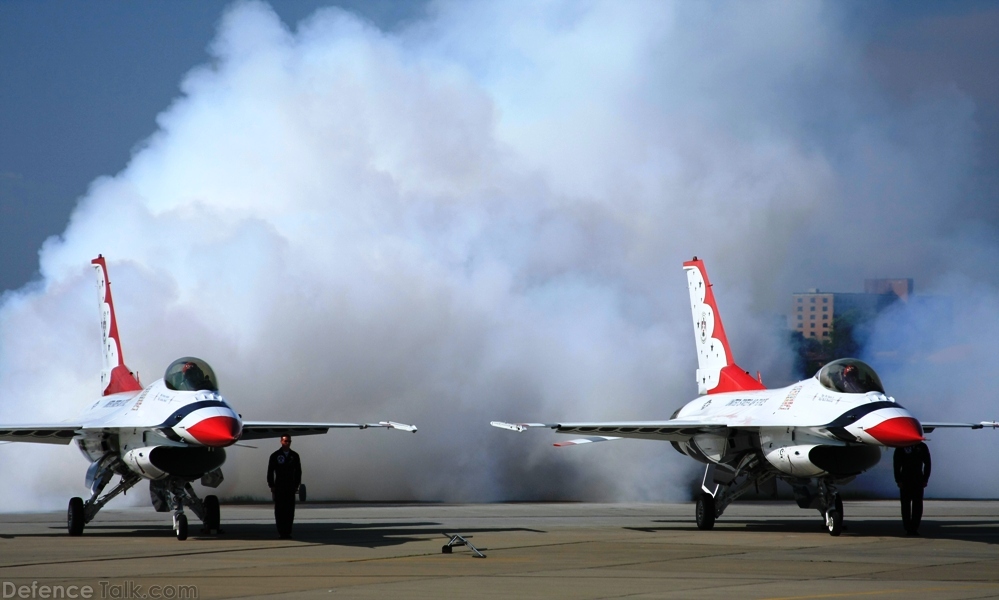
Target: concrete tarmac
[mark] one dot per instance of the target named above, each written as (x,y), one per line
(757,550)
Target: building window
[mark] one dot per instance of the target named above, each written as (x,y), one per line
(813,309)
(813,300)
(801,308)
(825,309)
(825,334)
(825,301)
(813,317)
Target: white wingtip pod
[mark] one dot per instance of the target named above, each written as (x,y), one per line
(399,426)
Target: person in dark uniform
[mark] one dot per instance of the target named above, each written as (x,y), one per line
(284,475)
(912,473)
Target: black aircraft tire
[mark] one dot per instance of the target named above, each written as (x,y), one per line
(704,511)
(301,493)
(834,522)
(839,505)
(74,516)
(213,515)
(182,527)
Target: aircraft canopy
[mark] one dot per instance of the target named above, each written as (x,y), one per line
(190,374)
(849,376)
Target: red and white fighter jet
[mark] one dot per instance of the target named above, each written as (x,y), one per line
(815,435)
(171,432)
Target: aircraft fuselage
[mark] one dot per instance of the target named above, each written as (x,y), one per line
(160,432)
(802,430)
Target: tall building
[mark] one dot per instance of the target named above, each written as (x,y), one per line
(813,312)
(902,288)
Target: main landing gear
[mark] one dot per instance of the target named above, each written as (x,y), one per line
(98,476)
(704,512)
(170,494)
(723,484)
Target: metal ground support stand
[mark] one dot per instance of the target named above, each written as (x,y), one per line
(92,506)
(457,540)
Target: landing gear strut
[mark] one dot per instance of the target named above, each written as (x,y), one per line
(80,513)
(180,493)
(832,510)
(723,484)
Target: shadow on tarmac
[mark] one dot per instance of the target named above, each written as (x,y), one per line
(972,530)
(366,535)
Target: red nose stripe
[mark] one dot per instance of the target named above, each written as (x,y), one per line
(216,431)
(897,432)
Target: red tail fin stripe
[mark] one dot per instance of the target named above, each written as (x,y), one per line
(116,377)
(717,329)
(717,371)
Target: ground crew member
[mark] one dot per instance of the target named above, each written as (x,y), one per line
(284,475)
(912,473)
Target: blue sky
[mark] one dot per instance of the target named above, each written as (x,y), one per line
(81,84)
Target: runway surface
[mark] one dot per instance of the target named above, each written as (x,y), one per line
(757,550)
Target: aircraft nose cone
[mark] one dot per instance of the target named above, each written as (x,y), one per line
(216,431)
(897,432)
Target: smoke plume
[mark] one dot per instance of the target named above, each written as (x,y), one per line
(482,216)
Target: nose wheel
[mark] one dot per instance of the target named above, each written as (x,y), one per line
(833,514)
(834,521)
(180,526)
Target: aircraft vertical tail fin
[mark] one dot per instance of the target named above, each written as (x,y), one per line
(115,377)
(716,370)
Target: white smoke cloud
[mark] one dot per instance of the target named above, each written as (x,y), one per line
(481,216)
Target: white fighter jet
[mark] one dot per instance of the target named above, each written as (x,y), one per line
(815,435)
(171,432)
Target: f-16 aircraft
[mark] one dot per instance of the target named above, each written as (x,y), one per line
(815,435)
(171,432)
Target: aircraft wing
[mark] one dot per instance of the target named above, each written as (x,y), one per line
(45,433)
(929,427)
(259,430)
(674,430)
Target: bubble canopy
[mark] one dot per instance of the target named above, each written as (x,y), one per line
(849,376)
(190,374)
